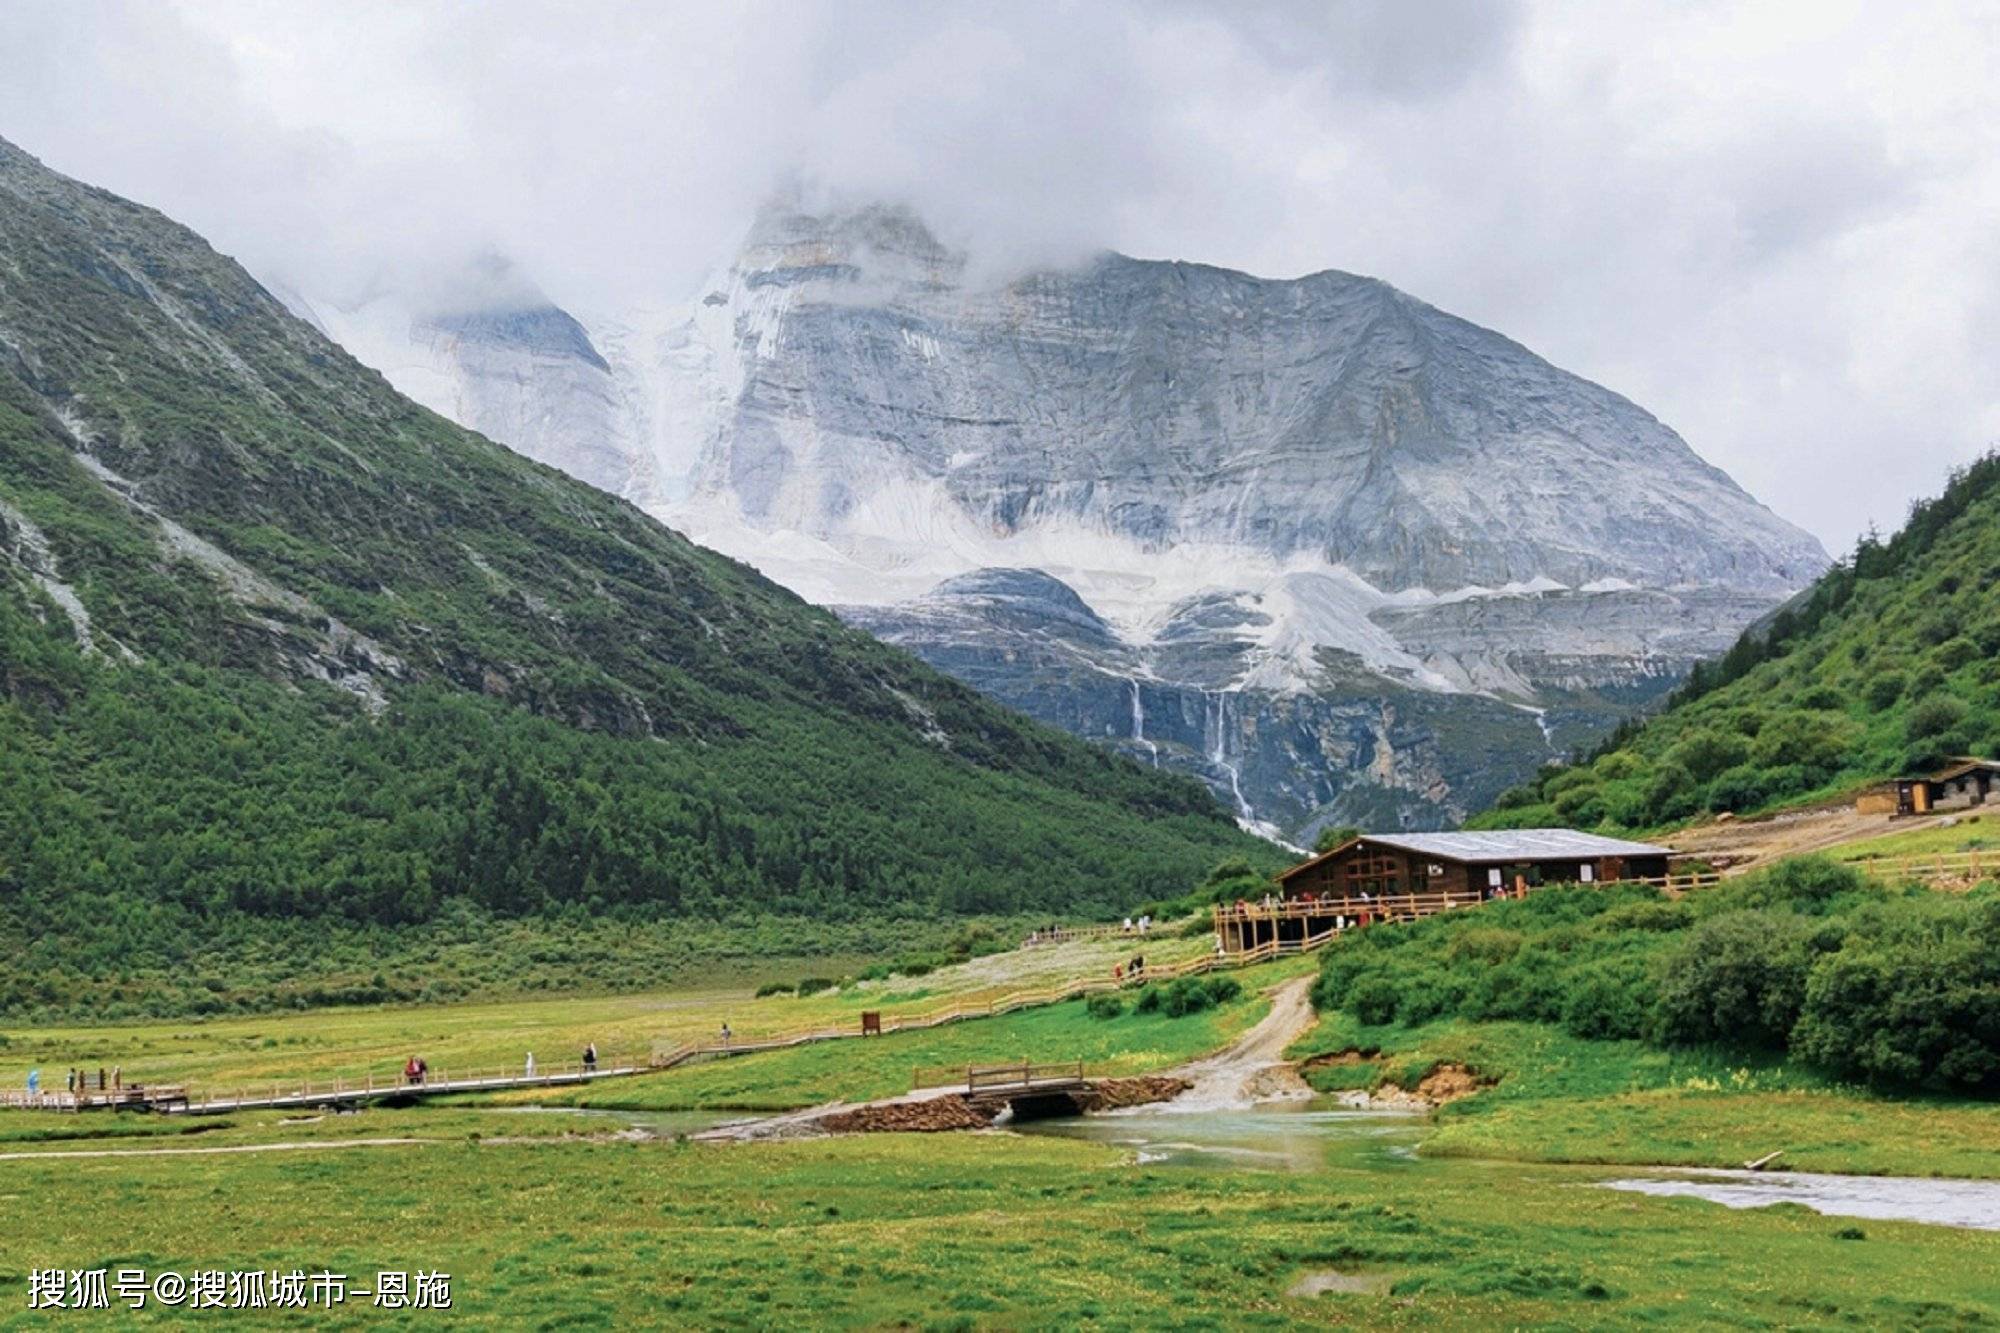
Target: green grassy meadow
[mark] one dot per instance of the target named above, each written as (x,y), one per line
(1559,1098)
(860,1070)
(596,1211)
(988,1230)
(1966,834)
(227,1052)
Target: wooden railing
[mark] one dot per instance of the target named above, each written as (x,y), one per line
(997,1078)
(1940,867)
(281,1094)
(1066,934)
(1407,906)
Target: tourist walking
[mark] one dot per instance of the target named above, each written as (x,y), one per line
(725,1034)
(590,1058)
(531,1064)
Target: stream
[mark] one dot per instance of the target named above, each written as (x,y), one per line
(1306,1136)
(1293,1135)
(1974,1204)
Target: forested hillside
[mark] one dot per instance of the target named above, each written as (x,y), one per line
(277,644)
(1889,664)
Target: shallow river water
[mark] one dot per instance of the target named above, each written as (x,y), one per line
(1311,1136)
(1281,1136)
(1950,1203)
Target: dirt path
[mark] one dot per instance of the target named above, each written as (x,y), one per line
(1254,1069)
(1736,843)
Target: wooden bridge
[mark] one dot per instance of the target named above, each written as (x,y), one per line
(1011,1083)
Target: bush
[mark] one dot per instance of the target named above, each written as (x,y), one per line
(1706,752)
(1886,689)
(1672,792)
(1611,999)
(814,985)
(1618,765)
(1373,1000)
(1913,1007)
(1933,716)
(1333,836)
(1581,805)
(1739,979)
(1817,743)
(1954,653)
(774,988)
(1104,1005)
(1808,884)
(1148,1001)
(1740,788)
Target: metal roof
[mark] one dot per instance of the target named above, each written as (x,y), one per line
(1505,846)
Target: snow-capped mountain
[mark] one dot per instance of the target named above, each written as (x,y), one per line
(1348,556)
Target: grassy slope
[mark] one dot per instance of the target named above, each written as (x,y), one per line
(1886,666)
(578,708)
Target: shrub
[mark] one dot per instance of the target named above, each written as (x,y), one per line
(1933,716)
(1807,884)
(1672,792)
(814,985)
(1581,805)
(1706,752)
(1104,1004)
(1148,1001)
(1823,698)
(1954,653)
(1886,689)
(1333,835)
(1430,992)
(1611,999)
(1915,1007)
(1373,1000)
(1739,788)
(1738,979)
(1819,744)
(1618,765)
(774,988)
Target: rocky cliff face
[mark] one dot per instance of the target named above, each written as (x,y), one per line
(1343,554)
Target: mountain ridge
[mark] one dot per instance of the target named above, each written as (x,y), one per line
(1289,467)
(277,643)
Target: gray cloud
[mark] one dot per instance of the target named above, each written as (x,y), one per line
(1770,224)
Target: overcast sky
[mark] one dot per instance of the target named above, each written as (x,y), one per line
(1777,226)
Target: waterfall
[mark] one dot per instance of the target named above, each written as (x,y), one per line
(1139,724)
(1215,723)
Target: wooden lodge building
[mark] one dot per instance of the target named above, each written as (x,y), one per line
(1960,785)
(1407,875)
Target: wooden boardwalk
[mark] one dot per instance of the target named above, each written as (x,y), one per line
(333,1094)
